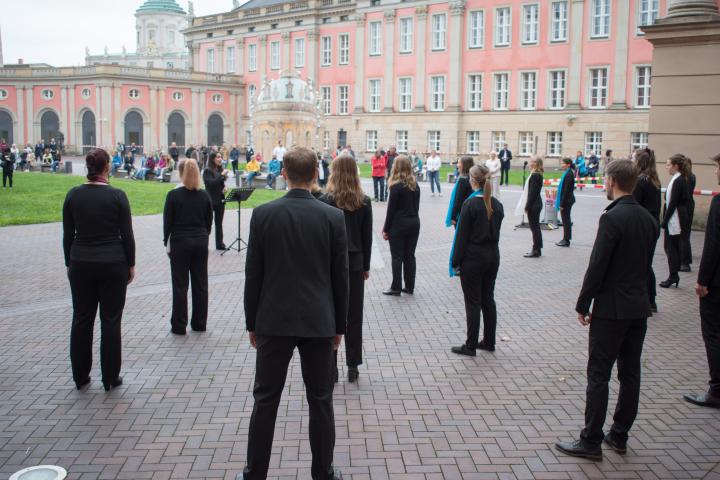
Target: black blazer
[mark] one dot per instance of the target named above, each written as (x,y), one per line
(403,203)
(535,184)
(691,181)
(648,195)
(296,272)
(462,192)
(187,214)
(214,185)
(567,196)
(678,201)
(477,237)
(505,151)
(709,273)
(358,226)
(616,278)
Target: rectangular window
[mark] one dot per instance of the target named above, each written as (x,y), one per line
(231,60)
(275,55)
(476,29)
(598,87)
(171,38)
(559,22)
(326,48)
(475,92)
(325,95)
(343,99)
(527,144)
(401,140)
(502,90)
(211,61)
(406,35)
(252,57)
(371,140)
(600,21)
(528,92)
(473,142)
(326,140)
(375,38)
(503,27)
(647,12)
(557,89)
(642,87)
(374,96)
(437,89)
(593,143)
(434,140)
(406,103)
(498,141)
(638,140)
(531,19)
(344,47)
(554,144)
(439,26)
(299,52)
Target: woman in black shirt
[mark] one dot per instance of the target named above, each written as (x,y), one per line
(461,190)
(187,221)
(402,225)
(691,181)
(533,206)
(345,192)
(647,193)
(476,257)
(675,220)
(214,177)
(99,252)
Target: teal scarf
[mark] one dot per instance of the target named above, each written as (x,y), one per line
(558,197)
(448,217)
(452,249)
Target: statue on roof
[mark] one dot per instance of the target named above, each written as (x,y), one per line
(106,51)
(191,10)
(124,50)
(87,51)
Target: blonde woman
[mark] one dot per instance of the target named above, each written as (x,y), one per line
(402,225)
(494,166)
(345,192)
(187,221)
(533,205)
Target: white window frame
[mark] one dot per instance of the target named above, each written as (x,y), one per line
(506,104)
(598,89)
(252,57)
(343,49)
(593,143)
(371,140)
(648,12)
(473,142)
(211,60)
(406,34)
(325,99)
(439,31)
(171,37)
(325,51)
(600,17)
(526,144)
(343,95)
(133,93)
(530,31)
(554,144)
(405,94)
(375,38)
(374,95)
(476,29)
(401,140)
(437,94)
(528,90)
(475,92)
(326,140)
(299,52)
(177,96)
(275,55)
(638,140)
(551,102)
(498,139)
(559,25)
(217,99)
(230,60)
(642,91)
(502,34)
(84,93)
(434,138)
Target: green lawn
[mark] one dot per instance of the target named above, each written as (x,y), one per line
(38,197)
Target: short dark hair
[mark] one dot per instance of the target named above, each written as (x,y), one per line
(96,161)
(300,165)
(624,173)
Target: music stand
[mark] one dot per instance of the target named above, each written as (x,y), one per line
(237,195)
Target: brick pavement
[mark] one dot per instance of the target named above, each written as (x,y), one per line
(417,412)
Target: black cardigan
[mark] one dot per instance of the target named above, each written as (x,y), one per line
(709,273)
(535,184)
(462,192)
(214,185)
(648,195)
(358,225)
(402,203)
(678,201)
(477,236)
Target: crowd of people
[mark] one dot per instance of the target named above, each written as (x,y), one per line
(23,159)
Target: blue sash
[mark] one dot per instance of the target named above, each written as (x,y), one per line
(457,227)
(448,217)
(558,197)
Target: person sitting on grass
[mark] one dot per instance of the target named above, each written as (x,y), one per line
(253,170)
(273,172)
(148,166)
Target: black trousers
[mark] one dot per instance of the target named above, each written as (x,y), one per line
(379,188)
(218,214)
(534,221)
(353,332)
(7,175)
(613,340)
(673,250)
(567,222)
(271,366)
(505,172)
(94,284)
(710,325)
(189,257)
(478,285)
(403,241)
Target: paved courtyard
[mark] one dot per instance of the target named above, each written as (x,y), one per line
(417,411)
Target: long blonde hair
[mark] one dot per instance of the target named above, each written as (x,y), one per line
(480,174)
(190,174)
(538,165)
(344,184)
(402,173)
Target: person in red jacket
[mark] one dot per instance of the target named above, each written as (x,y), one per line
(379,167)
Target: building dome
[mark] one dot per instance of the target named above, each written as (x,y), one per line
(161,6)
(288,92)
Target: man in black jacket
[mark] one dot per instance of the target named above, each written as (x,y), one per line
(708,289)
(616,286)
(505,156)
(297,249)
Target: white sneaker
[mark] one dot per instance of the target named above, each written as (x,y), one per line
(432,194)
(440,194)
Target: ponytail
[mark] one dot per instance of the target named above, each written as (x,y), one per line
(480,174)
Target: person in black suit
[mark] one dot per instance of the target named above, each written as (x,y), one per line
(461,190)
(616,285)
(505,156)
(686,253)
(402,225)
(565,200)
(99,248)
(647,194)
(533,205)
(675,220)
(214,178)
(476,257)
(187,221)
(708,289)
(345,192)
(297,246)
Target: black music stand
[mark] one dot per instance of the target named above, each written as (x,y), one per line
(238,195)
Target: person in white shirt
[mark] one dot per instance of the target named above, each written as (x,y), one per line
(493,164)
(433,172)
(279,151)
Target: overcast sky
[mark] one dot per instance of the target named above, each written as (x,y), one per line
(56,32)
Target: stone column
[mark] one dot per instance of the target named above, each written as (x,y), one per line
(262,55)
(219,57)
(34,137)
(455,73)
(421,48)
(359,63)
(311,55)
(240,56)
(19,129)
(99,118)
(203,116)
(195,49)
(573,88)
(233,119)
(195,117)
(72,126)
(687,9)
(620,72)
(389,53)
(152,142)
(285,59)
(162,121)
(63,111)
(107,115)
(116,114)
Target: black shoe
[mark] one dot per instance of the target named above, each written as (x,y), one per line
(579,449)
(395,293)
(563,243)
(335,374)
(84,383)
(407,290)
(618,446)
(685,268)
(198,329)
(177,331)
(532,254)
(220,247)
(353,374)
(109,385)
(704,400)
(669,282)
(463,350)
(653,307)
(484,346)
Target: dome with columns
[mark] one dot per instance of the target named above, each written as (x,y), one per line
(159,25)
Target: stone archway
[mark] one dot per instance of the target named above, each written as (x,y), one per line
(89,135)
(6,127)
(176,130)
(133,128)
(215,130)
(49,126)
